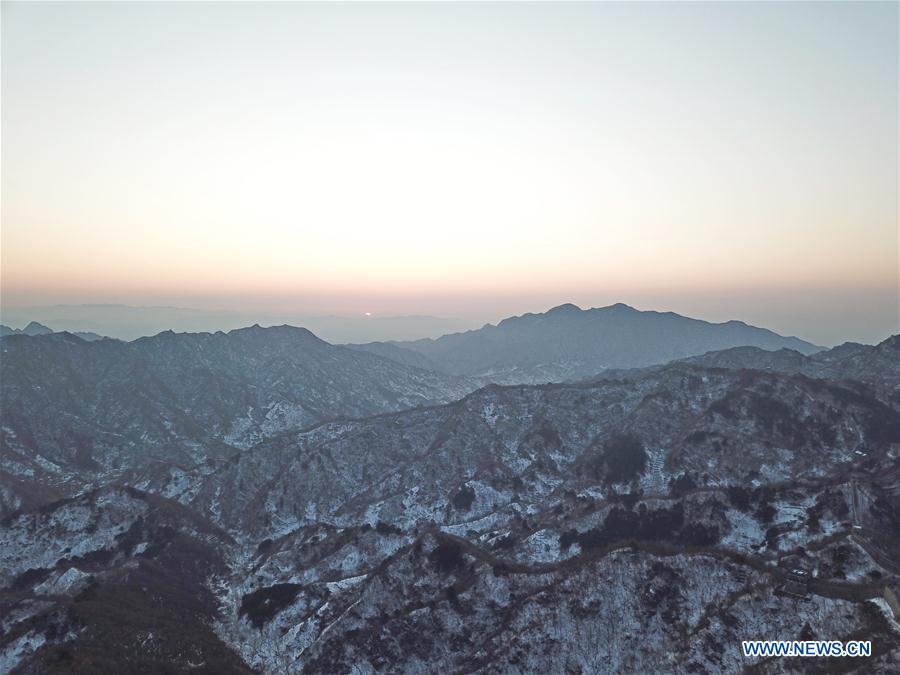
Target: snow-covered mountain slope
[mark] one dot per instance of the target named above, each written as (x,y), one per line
(877,365)
(724,427)
(112,581)
(75,412)
(646,523)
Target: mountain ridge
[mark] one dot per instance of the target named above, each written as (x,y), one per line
(72,409)
(567,342)
(34,329)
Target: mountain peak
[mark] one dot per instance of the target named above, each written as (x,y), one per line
(566,308)
(619,307)
(284,330)
(35,328)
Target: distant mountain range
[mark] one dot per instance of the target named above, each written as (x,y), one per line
(568,343)
(35,328)
(129,323)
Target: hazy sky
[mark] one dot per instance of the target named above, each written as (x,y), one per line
(473,160)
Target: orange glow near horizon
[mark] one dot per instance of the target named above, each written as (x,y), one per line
(451,158)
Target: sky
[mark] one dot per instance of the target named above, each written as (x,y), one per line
(721,160)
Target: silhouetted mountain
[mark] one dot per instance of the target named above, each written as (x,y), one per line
(129,323)
(35,328)
(570,343)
